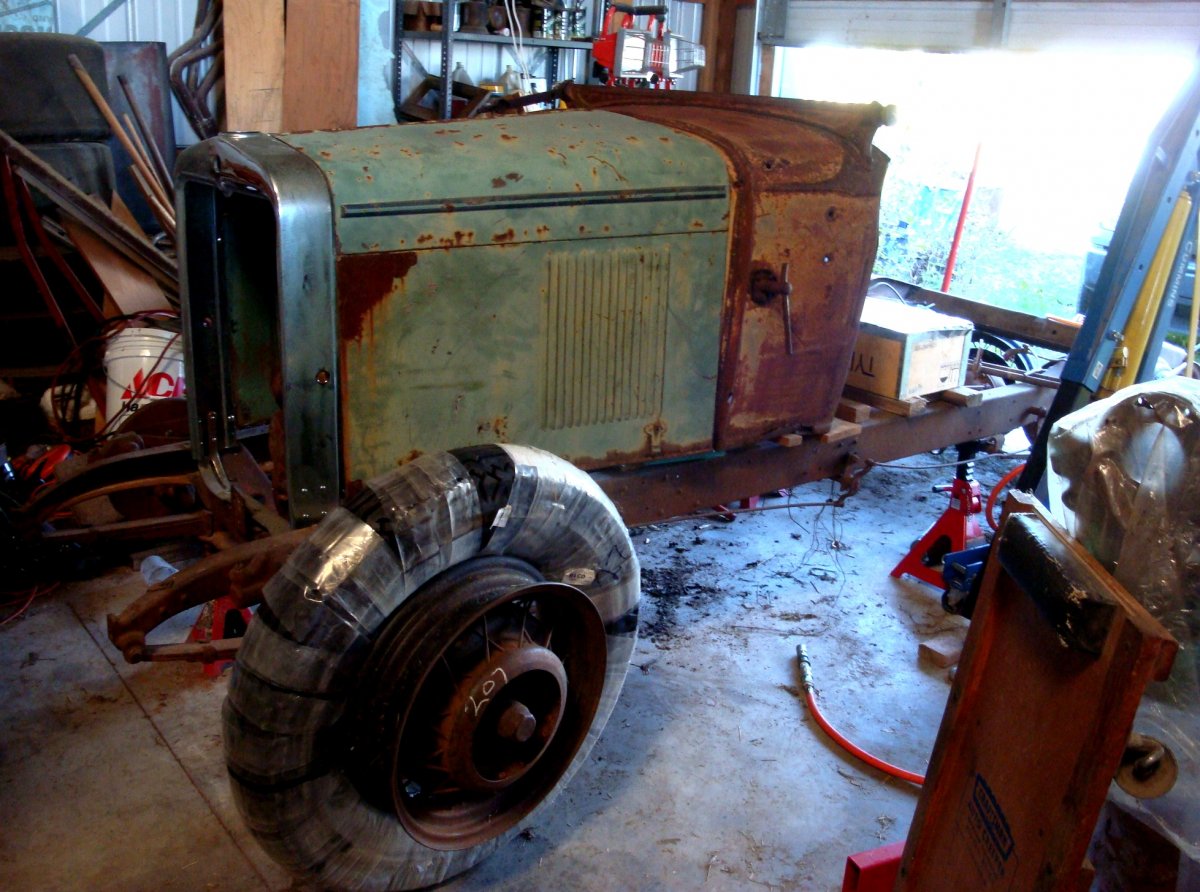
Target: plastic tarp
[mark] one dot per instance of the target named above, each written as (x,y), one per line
(1125,481)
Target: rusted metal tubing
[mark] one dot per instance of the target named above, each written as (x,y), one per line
(174,526)
(128,470)
(241,571)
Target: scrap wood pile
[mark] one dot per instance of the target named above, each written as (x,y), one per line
(62,234)
(82,272)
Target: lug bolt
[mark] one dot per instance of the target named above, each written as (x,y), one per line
(516,723)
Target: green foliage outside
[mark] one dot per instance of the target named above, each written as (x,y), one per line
(916,227)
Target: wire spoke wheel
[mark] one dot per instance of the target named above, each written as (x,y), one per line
(431,667)
(479,694)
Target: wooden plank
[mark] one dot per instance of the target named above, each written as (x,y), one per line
(960,396)
(720,56)
(93,214)
(709,32)
(254,64)
(910,406)
(841,430)
(766,70)
(1061,692)
(320,81)
(852,410)
(131,288)
(942,650)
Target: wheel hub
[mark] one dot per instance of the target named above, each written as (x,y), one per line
(503,716)
(475,700)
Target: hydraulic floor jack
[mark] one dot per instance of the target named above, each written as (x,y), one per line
(957,528)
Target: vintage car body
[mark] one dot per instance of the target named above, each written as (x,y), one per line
(606,282)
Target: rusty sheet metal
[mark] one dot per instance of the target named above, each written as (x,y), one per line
(656,492)
(806,194)
(601,354)
(533,178)
(549,279)
(143,65)
(150,529)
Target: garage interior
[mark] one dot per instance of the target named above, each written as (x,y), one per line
(714,445)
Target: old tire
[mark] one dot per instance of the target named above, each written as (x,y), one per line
(42,99)
(336,670)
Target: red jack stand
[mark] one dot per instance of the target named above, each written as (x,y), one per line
(221,618)
(874,870)
(953,531)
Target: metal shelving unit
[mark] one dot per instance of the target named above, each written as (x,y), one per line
(448,37)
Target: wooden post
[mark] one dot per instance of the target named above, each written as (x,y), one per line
(705,78)
(721,57)
(320,81)
(254,64)
(766,70)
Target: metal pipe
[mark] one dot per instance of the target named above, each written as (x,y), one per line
(962,220)
(160,163)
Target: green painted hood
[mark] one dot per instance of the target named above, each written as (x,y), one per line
(481,182)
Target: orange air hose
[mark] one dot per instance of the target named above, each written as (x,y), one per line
(810,697)
(995,493)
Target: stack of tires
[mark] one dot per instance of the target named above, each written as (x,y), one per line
(44,106)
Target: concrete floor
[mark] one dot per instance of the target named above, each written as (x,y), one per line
(710,773)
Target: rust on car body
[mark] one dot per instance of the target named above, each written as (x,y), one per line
(365,281)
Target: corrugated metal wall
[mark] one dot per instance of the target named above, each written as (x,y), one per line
(1037,24)
(965,24)
(938,24)
(168,21)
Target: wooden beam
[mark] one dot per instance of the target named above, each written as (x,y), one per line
(766,70)
(840,430)
(910,406)
(320,81)
(254,64)
(719,43)
(706,77)
(852,410)
(961,396)
(1040,331)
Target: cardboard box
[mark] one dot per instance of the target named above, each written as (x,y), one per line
(904,351)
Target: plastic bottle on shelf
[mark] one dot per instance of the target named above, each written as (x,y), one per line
(460,75)
(155,569)
(510,81)
(579,25)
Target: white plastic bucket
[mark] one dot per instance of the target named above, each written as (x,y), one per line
(141,364)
